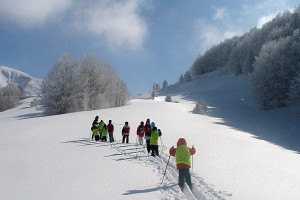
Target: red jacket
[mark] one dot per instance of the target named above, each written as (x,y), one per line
(148,130)
(126,130)
(140,131)
(110,128)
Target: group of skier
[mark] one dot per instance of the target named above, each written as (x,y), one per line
(151,134)
(100,131)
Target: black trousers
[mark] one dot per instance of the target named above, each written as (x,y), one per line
(97,137)
(125,137)
(103,139)
(148,146)
(154,150)
(184,176)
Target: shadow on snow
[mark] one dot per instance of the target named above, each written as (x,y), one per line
(278,126)
(152,189)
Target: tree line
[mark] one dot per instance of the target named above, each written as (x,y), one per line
(80,86)
(269,55)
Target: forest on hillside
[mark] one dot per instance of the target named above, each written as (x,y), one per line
(270,55)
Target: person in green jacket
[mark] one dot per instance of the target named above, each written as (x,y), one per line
(104,133)
(100,127)
(154,141)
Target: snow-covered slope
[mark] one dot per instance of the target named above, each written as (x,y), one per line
(230,98)
(29,84)
(238,155)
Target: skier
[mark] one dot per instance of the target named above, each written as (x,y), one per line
(140,133)
(125,132)
(183,162)
(148,134)
(154,141)
(110,128)
(100,127)
(152,125)
(95,122)
(94,126)
(104,133)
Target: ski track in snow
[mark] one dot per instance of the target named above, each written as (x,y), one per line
(168,184)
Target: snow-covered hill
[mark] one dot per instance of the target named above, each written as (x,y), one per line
(239,153)
(29,84)
(230,98)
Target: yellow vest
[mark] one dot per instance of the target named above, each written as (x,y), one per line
(154,138)
(96,132)
(104,132)
(101,125)
(183,155)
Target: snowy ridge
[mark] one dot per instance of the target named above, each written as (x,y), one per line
(29,84)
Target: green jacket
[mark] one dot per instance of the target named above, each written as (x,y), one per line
(101,125)
(154,138)
(104,132)
(183,155)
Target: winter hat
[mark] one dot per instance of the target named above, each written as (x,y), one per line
(181,141)
(154,128)
(152,124)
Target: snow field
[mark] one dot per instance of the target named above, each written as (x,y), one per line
(238,151)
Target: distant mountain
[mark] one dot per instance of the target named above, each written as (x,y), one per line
(29,84)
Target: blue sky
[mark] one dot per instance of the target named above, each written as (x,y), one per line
(145,41)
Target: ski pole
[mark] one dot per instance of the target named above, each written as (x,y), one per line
(192,160)
(162,146)
(166,169)
(136,140)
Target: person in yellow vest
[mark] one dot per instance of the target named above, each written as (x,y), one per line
(154,141)
(94,126)
(183,162)
(100,127)
(104,133)
(96,134)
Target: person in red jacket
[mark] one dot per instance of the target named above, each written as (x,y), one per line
(125,133)
(110,129)
(183,162)
(148,131)
(140,133)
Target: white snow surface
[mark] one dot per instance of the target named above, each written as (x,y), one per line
(241,151)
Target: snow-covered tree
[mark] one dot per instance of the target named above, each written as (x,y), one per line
(201,107)
(165,84)
(277,64)
(155,88)
(187,76)
(10,96)
(181,79)
(168,99)
(58,87)
(87,85)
